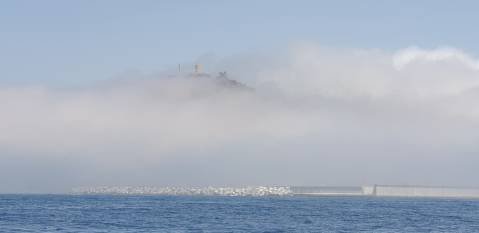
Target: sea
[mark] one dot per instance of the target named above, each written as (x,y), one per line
(123,213)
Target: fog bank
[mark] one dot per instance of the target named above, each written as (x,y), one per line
(317,116)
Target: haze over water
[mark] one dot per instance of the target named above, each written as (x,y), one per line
(233,98)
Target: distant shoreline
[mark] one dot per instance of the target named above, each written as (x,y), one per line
(258,191)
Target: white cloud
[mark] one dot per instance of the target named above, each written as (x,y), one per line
(411,55)
(409,73)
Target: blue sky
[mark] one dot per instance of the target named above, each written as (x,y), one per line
(77,42)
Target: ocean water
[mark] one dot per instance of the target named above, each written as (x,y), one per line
(102,213)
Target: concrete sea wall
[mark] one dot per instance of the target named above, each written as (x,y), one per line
(420,191)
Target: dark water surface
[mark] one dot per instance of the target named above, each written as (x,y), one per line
(69,213)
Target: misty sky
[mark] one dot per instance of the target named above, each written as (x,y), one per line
(345,93)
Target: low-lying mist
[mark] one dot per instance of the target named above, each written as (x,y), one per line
(316,116)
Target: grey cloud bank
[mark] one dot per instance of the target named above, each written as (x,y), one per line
(318,116)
